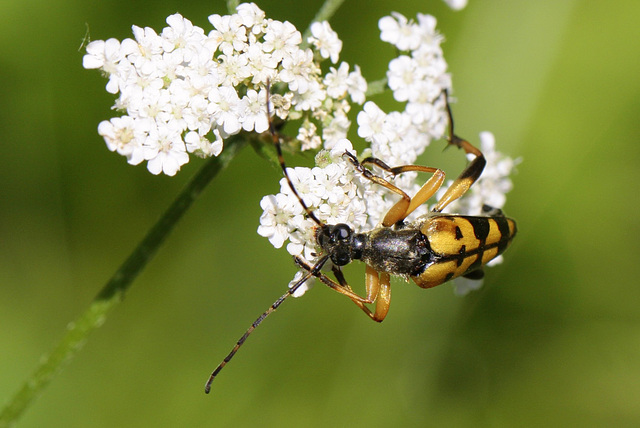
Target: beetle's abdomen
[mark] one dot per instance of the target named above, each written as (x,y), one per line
(462,244)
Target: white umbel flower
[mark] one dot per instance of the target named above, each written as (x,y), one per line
(325,40)
(200,88)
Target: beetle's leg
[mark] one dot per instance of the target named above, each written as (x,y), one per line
(378,290)
(490,211)
(470,174)
(405,205)
(397,212)
(340,288)
(377,285)
(382,282)
(343,282)
(427,190)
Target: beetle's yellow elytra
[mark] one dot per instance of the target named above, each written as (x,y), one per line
(462,244)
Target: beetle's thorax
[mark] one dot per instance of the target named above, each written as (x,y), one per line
(400,250)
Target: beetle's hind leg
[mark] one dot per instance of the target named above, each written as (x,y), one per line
(406,205)
(470,174)
(489,211)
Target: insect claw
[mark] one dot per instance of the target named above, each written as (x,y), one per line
(454,140)
(351,158)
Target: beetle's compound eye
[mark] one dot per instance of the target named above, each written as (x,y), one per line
(341,244)
(335,240)
(341,232)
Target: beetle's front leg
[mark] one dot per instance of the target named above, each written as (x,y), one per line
(377,287)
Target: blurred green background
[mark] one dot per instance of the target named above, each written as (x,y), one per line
(552,339)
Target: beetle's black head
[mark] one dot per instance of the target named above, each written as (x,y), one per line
(336,240)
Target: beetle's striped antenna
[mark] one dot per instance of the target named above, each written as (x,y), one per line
(452,138)
(276,142)
(314,271)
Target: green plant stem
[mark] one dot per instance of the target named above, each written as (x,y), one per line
(376,87)
(232,5)
(113,292)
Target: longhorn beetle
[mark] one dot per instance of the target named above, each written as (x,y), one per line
(432,250)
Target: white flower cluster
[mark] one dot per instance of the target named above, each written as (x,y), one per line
(332,190)
(417,77)
(184,91)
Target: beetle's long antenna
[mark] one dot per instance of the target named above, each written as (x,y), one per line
(449,114)
(313,272)
(276,142)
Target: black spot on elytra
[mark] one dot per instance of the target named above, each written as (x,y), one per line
(462,252)
(480,228)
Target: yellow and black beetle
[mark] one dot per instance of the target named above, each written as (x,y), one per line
(432,250)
